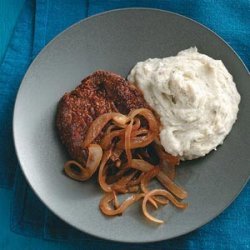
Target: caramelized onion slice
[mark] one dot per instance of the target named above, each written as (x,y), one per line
(141,165)
(109,197)
(151,132)
(133,189)
(162,177)
(122,183)
(136,181)
(116,154)
(116,202)
(171,186)
(108,138)
(149,117)
(99,123)
(136,124)
(114,178)
(159,192)
(120,120)
(84,173)
(139,139)
(122,135)
(102,172)
(111,128)
(170,171)
(165,156)
(128,131)
(148,176)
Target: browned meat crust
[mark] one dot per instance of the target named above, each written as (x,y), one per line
(99,93)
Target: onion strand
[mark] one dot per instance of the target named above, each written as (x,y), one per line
(125,138)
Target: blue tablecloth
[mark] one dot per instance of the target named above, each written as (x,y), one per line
(38,23)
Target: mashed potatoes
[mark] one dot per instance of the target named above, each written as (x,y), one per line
(195,97)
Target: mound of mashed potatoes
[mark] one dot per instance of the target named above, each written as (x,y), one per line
(195,98)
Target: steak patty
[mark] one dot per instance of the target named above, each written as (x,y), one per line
(100,93)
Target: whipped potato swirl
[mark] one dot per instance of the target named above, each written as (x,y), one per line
(195,97)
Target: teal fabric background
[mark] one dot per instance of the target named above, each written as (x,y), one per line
(9,12)
(38,23)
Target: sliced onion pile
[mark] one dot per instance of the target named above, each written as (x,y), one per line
(128,157)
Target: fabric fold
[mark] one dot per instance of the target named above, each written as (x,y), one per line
(39,22)
(16,61)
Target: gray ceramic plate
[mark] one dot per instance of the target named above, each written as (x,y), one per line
(115,41)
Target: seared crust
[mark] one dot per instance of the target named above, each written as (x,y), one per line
(99,93)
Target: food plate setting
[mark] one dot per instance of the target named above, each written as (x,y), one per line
(135,121)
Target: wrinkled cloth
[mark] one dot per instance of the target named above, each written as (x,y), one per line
(42,20)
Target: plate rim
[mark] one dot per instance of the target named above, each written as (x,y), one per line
(14,122)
